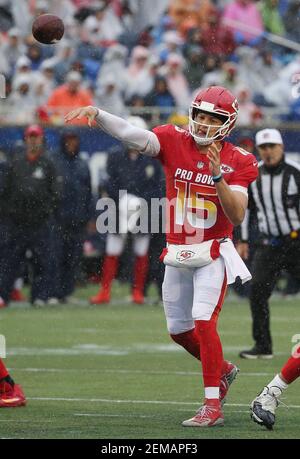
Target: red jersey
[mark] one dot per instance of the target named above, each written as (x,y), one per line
(194,213)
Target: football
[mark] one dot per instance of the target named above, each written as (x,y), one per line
(48,29)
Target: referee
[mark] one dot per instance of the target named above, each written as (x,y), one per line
(275,198)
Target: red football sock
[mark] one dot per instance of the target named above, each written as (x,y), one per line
(109,271)
(291,369)
(3,370)
(210,351)
(191,343)
(140,273)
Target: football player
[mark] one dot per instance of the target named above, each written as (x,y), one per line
(206,181)
(263,407)
(11,394)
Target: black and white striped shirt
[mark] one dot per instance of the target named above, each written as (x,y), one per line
(275,196)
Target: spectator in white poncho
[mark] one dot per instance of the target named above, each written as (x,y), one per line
(177,83)
(108,95)
(103,27)
(21,104)
(114,64)
(12,49)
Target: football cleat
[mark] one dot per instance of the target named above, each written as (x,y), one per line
(101,298)
(11,396)
(38,303)
(53,301)
(138,297)
(262,409)
(226,381)
(209,415)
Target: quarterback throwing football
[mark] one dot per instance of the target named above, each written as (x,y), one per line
(206,180)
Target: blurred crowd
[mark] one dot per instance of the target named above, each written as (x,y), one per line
(129,55)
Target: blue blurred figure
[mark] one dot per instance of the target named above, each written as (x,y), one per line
(73,214)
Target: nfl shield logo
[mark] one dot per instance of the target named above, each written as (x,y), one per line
(200,165)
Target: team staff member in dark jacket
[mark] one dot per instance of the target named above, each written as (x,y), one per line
(74,212)
(31,198)
(275,197)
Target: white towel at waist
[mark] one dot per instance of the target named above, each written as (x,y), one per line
(235,267)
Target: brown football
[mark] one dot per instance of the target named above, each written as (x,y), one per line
(48,29)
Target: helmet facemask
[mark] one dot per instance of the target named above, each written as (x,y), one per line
(222,131)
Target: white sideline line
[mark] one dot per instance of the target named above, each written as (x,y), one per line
(143,402)
(142,372)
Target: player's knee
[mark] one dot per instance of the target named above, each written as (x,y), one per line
(177,328)
(114,252)
(180,338)
(205,326)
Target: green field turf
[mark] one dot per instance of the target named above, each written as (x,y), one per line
(111,372)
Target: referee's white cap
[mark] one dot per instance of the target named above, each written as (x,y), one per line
(268,136)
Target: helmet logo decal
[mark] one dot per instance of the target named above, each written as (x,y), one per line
(206,106)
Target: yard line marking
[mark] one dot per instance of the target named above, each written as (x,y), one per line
(66,352)
(120,371)
(92,415)
(96,349)
(146,402)
(185,410)
(26,420)
(104,400)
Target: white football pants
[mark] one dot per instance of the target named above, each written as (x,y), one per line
(115,244)
(192,294)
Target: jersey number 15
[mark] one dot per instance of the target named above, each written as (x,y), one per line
(190,204)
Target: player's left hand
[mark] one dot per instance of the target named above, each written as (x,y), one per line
(214,159)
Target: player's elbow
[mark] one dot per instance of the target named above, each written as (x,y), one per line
(236,221)
(238,217)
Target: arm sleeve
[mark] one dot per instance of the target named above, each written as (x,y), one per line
(146,142)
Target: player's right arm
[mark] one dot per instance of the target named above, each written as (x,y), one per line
(142,140)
